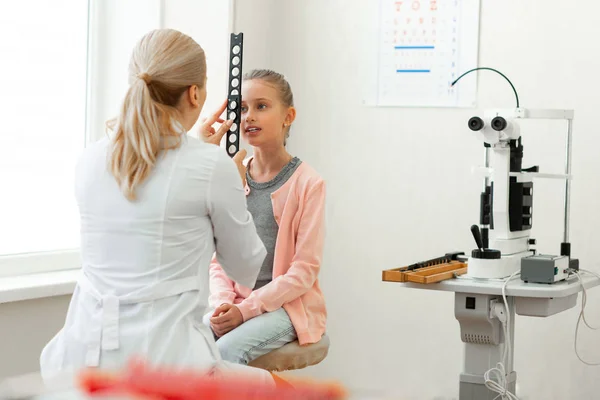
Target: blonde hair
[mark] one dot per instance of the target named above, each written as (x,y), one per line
(278,81)
(164,64)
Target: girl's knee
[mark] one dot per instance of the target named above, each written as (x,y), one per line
(231,352)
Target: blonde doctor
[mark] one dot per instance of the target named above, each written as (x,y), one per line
(155,205)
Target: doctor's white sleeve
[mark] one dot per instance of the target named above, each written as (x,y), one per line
(239,249)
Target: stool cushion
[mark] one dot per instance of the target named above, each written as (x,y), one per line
(293,356)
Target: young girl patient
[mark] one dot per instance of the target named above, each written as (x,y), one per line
(286,198)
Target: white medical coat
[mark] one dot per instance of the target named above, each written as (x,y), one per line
(144,285)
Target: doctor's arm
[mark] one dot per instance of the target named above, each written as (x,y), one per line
(306,263)
(239,250)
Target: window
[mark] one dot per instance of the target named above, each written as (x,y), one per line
(63,74)
(43,103)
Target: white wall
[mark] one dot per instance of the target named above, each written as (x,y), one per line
(207,22)
(25,328)
(401,183)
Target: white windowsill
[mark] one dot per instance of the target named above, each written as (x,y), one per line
(37,286)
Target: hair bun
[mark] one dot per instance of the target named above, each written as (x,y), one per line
(145,77)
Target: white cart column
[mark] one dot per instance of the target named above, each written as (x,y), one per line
(484,340)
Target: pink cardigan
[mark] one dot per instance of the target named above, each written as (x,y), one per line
(299,210)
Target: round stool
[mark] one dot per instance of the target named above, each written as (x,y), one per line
(293,356)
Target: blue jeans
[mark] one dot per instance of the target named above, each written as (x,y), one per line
(255,337)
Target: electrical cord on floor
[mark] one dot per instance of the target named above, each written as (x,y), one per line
(495,380)
(582,313)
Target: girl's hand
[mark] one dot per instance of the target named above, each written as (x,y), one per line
(239,162)
(226,318)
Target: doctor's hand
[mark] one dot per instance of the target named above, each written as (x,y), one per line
(226,318)
(207,131)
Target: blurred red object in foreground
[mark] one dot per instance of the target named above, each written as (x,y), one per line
(141,381)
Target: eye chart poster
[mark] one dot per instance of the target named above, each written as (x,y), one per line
(424,45)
